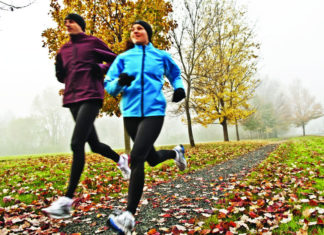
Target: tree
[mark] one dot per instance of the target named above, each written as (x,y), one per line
(263,120)
(110,21)
(304,106)
(226,69)
(193,27)
(272,110)
(242,90)
(23,135)
(11,7)
(55,122)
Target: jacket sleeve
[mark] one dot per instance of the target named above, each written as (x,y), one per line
(111,79)
(103,53)
(172,71)
(59,69)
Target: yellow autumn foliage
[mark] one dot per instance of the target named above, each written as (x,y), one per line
(226,69)
(110,20)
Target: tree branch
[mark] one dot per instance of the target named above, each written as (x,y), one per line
(11,7)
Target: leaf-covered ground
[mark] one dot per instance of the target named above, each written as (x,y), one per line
(28,185)
(282,195)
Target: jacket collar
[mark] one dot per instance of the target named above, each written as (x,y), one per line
(140,47)
(77,37)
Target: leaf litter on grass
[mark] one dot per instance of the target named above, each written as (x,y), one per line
(101,186)
(281,196)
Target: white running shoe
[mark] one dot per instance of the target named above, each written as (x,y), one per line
(122,222)
(180,158)
(60,208)
(123,166)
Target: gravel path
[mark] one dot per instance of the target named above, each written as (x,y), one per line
(179,201)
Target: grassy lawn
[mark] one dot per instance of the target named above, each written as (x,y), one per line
(26,179)
(284,195)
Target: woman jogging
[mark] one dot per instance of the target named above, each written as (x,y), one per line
(79,66)
(138,75)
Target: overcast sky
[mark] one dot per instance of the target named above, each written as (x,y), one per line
(290,32)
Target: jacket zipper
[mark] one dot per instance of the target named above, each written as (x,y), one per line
(142,83)
(74,56)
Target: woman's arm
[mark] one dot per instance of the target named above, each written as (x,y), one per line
(59,69)
(103,53)
(111,80)
(172,71)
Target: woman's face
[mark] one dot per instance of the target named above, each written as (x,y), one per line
(72,27)
(139,35)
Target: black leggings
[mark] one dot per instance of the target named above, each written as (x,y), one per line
(84,114)
(144,132)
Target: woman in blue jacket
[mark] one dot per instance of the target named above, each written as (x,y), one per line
(138,74)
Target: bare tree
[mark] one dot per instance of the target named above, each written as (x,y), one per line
(193,26)
(11,7)
(304,106)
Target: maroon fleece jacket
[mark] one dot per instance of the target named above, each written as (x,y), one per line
(78,57)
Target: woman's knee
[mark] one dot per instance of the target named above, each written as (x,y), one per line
(77,146)
(137,161)
(95,148)
(152,162)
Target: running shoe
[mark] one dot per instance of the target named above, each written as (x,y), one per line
(59,209)
(180,158)
(122,222)
(123,166)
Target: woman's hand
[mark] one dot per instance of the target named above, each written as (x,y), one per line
(125,79)
(96,71)
(178,95)
(59,69)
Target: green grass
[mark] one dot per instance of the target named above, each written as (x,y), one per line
(29,156)
(293,173)
(37,177)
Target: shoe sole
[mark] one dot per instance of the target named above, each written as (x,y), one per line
(182,166)
(124,178)
(115,227)
(55,216)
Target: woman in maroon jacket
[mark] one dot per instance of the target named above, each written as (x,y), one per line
(79,66)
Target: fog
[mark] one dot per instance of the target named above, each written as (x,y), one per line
(48,127)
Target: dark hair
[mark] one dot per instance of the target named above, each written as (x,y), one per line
(129,45)
(147,28)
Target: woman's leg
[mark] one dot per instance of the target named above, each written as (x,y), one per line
(101,148)
(144,132)
(84,115)
(106,151)
(156,157)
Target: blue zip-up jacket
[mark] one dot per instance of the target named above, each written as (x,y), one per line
(144,97)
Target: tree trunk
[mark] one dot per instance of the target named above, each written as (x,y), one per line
(225,131)
(126,141)
(304,129)
(276,133)
(237,131)
(190,133)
